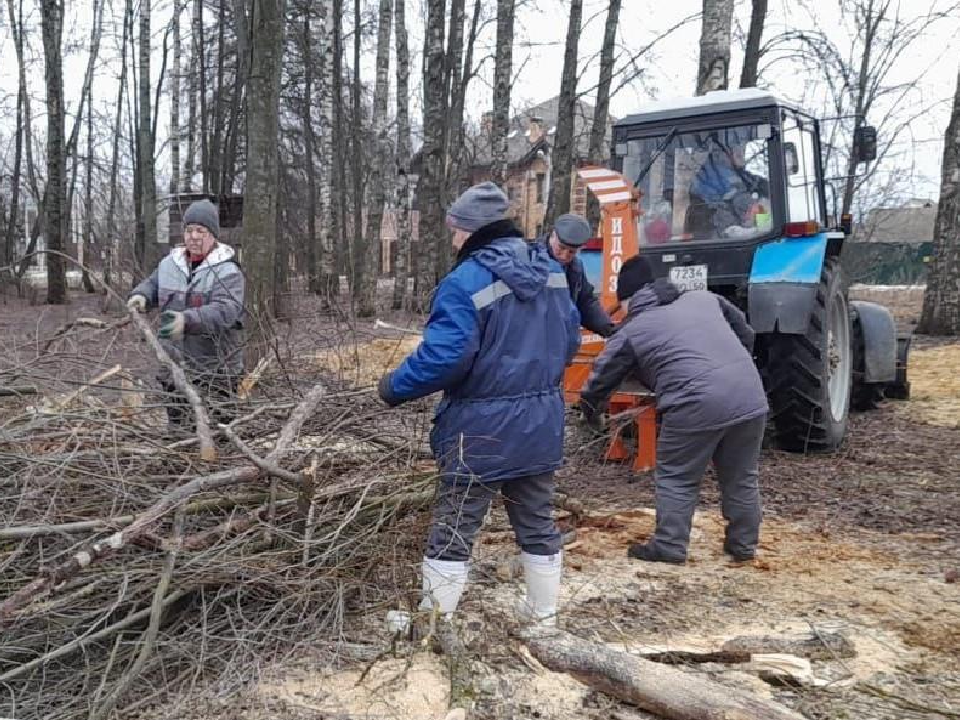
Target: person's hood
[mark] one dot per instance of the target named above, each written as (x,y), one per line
(219,254)
(500,248)
(659,292)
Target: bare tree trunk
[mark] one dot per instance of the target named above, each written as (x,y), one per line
(359,241)
(52,28)
(200,69)
(88,205)
(402,254)
(308,146)
(598,130)
(941,301)
(714,70)
(216,140)
(501,90)
(431,179)
(242,30)
(85,102)
(453,90)
(260,191)
(344,264)
(189,167)
(751,58)
(378,170)
(329,279)
(866,90)
(113,239)
(558,201)
(148,182)
(175,103)
(456,111)
(9,244)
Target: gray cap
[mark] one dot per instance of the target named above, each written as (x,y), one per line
(572,230)
(478,206)
(203,212)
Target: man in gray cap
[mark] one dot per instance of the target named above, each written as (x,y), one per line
(569,234)
(199,290)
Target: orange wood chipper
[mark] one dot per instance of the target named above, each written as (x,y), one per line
(619,208)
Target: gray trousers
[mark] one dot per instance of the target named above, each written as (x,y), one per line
(462,505)
(682,459)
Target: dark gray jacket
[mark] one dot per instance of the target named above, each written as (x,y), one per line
(211,300)
(692,349)
(592,315)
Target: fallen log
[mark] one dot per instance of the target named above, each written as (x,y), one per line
(659,689)
(813,646)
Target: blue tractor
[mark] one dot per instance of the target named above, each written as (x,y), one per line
(733,200)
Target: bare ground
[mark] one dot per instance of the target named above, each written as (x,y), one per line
(860,542)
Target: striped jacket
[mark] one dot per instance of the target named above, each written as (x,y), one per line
(502,329)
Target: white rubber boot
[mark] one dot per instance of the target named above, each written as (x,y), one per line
(542,576)
(443,584)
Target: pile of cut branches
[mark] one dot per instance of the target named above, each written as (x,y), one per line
(136,565)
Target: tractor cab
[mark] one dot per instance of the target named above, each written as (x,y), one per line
(720,175)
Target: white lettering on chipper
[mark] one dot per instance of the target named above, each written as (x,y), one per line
(616,252)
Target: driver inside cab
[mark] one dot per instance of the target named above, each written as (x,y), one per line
(726,199)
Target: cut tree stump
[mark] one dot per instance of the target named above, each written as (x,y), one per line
(659,689)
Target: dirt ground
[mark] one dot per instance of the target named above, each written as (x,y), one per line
(861,542)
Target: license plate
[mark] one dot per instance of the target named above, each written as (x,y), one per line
(689,277)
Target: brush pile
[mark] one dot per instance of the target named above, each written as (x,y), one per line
(132,570)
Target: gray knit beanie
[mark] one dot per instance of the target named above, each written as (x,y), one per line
(478,206)
(203,212)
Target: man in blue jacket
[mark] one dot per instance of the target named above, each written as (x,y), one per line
(501,331)
(569,234)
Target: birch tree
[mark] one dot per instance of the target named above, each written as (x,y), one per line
(558,201)
(431,228)
(52,30)
(402,254)
(714,68)
(501,90)
(306,42)
(329,278)
(941,300)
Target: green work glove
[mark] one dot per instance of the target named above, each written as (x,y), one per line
(171,325)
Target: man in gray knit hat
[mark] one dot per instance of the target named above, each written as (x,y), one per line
(501,331)
(199,290)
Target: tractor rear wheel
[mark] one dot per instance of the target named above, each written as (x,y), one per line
(865,396)
(809,377)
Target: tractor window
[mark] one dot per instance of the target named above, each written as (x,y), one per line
(702,186)
(800,166)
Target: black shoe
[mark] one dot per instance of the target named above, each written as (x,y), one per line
(646,552)
(739,556)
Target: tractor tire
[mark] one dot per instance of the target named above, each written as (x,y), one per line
(865,396)
(809,377)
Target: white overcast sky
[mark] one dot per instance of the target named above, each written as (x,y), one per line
(669,70)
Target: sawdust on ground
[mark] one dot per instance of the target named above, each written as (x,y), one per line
(363,364)
(414,688)
(934,375)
